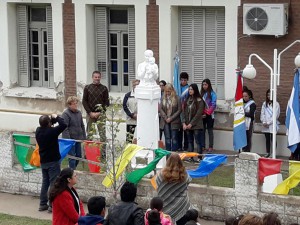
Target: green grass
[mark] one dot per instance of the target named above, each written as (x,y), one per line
(20,220)
(222,176)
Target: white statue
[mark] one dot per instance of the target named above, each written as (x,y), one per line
(148,70)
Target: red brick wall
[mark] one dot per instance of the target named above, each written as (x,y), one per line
(264,46)
(69,48)
(153,29)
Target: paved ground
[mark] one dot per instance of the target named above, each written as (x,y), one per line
(22,205)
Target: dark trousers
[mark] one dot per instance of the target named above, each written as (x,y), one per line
(195,135)
(75,151)
(182,137)
(249,132)
(268,141)
(130,132)
(50,171)
(171,138)
(208,124)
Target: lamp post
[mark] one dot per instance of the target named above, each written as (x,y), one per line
(250,73)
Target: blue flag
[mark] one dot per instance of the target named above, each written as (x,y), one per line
(207,165)
(239,126)
(176,80)
(65,146)
(292,122)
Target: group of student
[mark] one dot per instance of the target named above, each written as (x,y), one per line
(184,117)
(250,219)
(266,118)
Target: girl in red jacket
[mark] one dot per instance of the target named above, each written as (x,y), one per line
(66,205)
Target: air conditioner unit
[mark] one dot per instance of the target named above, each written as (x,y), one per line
(265,19)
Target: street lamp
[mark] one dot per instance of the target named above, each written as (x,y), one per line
(250,73)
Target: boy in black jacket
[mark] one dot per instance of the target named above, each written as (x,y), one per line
(47,139)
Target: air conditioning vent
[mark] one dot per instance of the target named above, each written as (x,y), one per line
(257,19)
(265,19)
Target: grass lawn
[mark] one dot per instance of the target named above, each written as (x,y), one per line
(20,220)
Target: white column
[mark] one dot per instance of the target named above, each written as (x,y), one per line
(147,124)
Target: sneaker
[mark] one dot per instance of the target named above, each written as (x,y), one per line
(49,209)
(210,150)
(43,208)
(267,155)
(191,160)
(198,160)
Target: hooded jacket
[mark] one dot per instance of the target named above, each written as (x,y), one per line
(90,219)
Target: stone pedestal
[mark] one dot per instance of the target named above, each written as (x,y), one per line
(148,97)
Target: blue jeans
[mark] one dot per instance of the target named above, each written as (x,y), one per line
(75,151)
(171,137)
(196,135)
(50,171)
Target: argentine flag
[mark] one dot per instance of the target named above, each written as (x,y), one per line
(239,127)
(292,122)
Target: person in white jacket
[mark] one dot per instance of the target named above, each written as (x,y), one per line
(266,117)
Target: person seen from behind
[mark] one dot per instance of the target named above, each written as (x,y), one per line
(75,128)
(249,108)
(266,117)
(170,117)
(153,217)
(157,203)
(233,220)
(126,212)
(172,184)
(210,99)
(250,219)
(47,138)
(192,217)
(67,206)
(96,206)
(271,219)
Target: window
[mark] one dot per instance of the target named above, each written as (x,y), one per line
(202,45)
(35,46)
(115,37)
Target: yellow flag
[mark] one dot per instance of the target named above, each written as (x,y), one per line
(284,187)
(294,166)
(121,163)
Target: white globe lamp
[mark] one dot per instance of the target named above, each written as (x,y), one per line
(249,72)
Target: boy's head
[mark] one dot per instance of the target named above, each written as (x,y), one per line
(153,217)
(96,205)
(233,220)
(156,203)
(128,192)
(192,214)
(45,121)
(184,77)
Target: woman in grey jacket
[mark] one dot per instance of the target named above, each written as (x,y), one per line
(75,129)
(170,117)
(192,119)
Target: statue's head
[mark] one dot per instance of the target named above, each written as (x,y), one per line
(148,53)
(151,60)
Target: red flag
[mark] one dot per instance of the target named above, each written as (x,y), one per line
(92,152)
(267,167)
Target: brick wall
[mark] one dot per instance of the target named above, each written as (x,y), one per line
(153,29)
(264,46)
(211,202)
(69,48)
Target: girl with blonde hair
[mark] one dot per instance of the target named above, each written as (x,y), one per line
(170,117)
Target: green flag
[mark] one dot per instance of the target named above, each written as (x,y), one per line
(22,151)
(137,175)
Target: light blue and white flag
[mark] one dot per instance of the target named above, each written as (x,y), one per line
(239,126)
(292,122)
(176,80)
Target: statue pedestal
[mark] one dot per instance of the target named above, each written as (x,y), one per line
(148,97)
